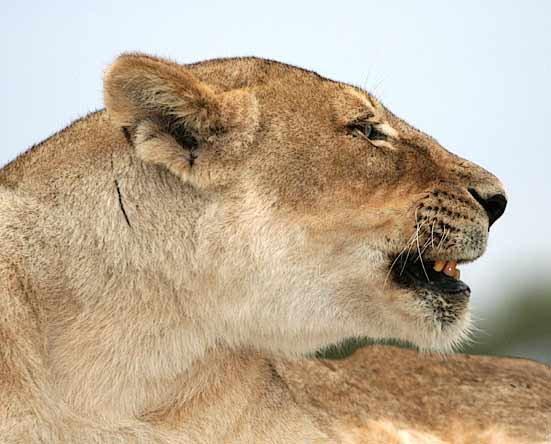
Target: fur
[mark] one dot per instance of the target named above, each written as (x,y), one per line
(168,262)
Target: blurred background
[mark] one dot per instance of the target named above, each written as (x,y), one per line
(475,75)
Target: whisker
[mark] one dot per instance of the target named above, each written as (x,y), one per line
(409,246)
(444,237)
(396,260)
(419,249)
(432,233)
(425,246)
(418,231)
(441,238)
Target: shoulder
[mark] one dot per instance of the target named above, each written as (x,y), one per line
(426,392)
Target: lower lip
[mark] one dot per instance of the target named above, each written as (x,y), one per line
(413,275)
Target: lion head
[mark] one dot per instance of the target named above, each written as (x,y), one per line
(316,214)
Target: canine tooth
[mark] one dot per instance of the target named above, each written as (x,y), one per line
(439,265)
(449,269)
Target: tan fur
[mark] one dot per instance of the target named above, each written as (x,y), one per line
(167,263)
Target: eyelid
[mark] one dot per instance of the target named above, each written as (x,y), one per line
(387,130)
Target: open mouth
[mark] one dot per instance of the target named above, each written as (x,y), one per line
(439,276)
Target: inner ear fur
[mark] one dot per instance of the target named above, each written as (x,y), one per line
(165,110)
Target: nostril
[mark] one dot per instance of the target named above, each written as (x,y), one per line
(494,205)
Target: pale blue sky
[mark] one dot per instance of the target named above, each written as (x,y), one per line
(475,75)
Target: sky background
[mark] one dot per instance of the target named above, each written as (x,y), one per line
(475,75)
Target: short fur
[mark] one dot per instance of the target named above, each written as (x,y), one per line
(167,262)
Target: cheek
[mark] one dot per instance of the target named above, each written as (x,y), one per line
(347,233)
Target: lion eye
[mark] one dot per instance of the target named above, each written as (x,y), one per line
(366,130)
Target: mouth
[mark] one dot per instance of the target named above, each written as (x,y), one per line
(441,277)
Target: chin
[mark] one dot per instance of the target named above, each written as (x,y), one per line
(438,302)
(431,333)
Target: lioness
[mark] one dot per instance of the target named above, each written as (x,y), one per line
(166,261)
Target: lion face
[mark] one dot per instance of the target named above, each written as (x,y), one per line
(328,216)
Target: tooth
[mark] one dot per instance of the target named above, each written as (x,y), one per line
(449,269)
(439,265)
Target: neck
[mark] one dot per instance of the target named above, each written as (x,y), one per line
(127,331)
(128,338)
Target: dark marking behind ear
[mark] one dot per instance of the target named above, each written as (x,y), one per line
(127,135)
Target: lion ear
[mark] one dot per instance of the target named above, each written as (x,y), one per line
(166,112)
